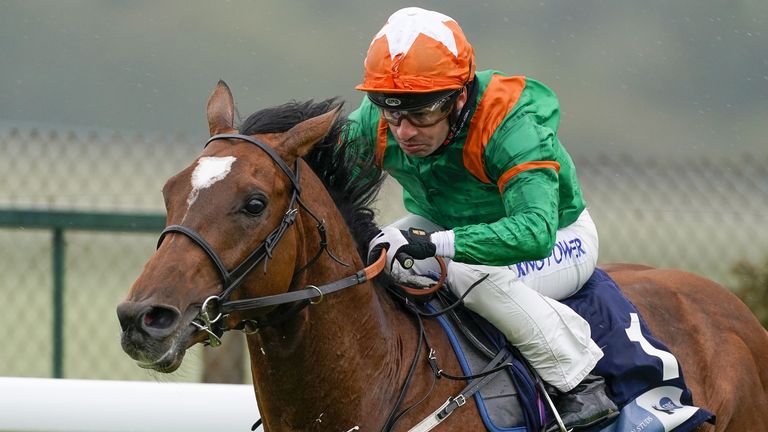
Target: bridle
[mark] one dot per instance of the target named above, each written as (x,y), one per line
(216,307)
(219,306)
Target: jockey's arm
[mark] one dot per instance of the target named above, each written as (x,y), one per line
(526,233)
(521,156)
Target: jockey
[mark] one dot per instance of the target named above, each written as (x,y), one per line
(483,171)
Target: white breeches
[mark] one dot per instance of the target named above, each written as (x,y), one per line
(520,300)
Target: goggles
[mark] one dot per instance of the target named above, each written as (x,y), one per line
(422,117)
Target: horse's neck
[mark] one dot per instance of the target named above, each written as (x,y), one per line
(340,363)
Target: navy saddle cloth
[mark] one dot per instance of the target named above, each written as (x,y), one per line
(644,379)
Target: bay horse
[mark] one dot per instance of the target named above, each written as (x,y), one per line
(272,213)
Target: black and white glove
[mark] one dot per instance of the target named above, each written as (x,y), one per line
(402,246)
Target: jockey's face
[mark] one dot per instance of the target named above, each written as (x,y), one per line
(423,141)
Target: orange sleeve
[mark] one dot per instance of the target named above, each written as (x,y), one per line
(515,170)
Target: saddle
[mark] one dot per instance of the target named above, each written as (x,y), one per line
(509,400)
(643,377)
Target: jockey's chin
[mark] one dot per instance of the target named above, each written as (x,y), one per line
(417,149)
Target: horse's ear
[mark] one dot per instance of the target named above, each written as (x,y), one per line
(299,140)
(221,109)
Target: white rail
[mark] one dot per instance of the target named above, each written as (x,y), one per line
(58,405)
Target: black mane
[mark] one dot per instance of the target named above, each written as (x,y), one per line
(334,161)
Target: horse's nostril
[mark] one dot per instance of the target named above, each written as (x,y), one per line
(159,318)
(157,321)
(126,314)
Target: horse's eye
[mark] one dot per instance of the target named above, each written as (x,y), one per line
(255,205)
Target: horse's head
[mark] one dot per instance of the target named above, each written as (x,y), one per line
(225,214)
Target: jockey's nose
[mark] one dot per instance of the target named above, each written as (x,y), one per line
(157,321)
(406,130)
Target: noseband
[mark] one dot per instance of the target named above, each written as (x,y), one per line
(215,307)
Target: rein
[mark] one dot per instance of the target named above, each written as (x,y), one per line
(214,308)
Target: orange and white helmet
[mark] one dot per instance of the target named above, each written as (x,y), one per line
(418,51)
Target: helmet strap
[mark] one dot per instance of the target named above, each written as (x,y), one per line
(457,119)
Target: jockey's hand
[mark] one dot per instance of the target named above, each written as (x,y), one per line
(414,243)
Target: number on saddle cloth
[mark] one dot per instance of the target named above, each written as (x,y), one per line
(644,378)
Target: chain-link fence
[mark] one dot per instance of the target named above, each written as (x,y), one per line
(85,171)
(701,214)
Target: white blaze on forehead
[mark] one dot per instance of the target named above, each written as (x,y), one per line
(208,171)
(405,25)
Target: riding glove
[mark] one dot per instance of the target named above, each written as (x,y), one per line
(401,245)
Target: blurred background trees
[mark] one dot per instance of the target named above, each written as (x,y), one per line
(752,287)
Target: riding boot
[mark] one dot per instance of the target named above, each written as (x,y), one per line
(586,406)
